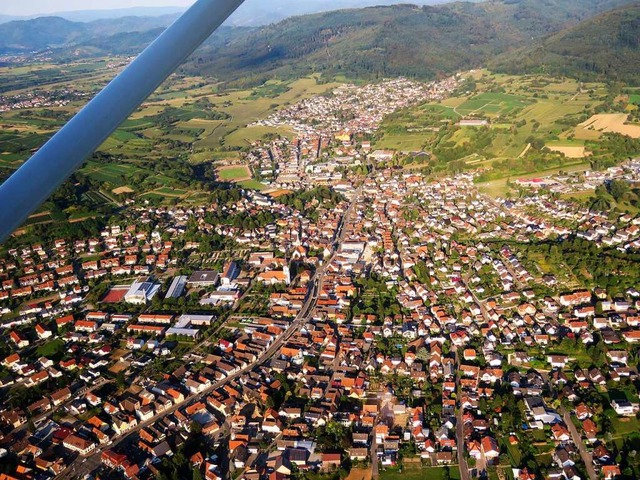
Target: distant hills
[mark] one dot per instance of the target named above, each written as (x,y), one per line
(251,13)
(557,36)
(259,12)
(395,40)
(93,15)
(56,32)
(604,47)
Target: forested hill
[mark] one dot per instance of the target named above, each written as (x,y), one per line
(395,40)
(54,32)
(603,48)
(368,43)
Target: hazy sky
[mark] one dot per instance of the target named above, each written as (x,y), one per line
(30,7)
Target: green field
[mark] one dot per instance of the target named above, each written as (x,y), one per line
(625,426)
(188,118)
(186,114)
(170,192)
(204,157)
(411,472)
(230,174)
(252,185)
(635,99)
(524,113)
(51,349)
(243,107)
(442,110)
(246,136)
(498,188)
(153,196)
(492,104)
(407,142)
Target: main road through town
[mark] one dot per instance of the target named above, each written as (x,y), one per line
(462,462)
(82,466)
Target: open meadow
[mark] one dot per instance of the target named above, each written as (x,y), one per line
(534,124)
(187,120)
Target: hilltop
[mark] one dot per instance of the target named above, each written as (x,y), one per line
(23,36)
(606,47)
(394,40)
(374,42)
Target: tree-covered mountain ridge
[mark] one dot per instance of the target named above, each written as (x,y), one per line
(395,40)
(416,41)
(606,47)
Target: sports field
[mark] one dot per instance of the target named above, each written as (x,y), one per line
(115,295)
(234,173)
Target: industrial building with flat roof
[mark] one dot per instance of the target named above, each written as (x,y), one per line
(177,287)
(184,325)
(140,293)
(204,278)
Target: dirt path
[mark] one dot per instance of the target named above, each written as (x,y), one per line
(526,149)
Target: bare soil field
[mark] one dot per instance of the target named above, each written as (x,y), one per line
(119,366)
(612,123)
(277,193)
(121,190)
(118,354)
(569,152)
(360,474)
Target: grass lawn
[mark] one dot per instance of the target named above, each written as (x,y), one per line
(514,453)
(235,173)
(492,104)
(248,135)
(208,156)
(51,349)
(493,473)
(579,196)
(538,435)
(545,459)
(443,110)
(252,185)
(403,142)
(417,473)
(498,188)
(172,191)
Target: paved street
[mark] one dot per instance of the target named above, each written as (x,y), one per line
(375,473)
(82,466)
(577,439)
(462,462)
(101,381)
